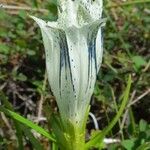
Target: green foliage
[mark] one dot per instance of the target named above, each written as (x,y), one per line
(140,140)
(26,122)
(97,140)
(138,62)
(20,128)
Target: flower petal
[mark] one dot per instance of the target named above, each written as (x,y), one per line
(73,57)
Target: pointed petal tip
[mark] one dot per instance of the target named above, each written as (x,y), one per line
(39,21)
(33,17)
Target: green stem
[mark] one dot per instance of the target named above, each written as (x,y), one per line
(76,141)
(75,134)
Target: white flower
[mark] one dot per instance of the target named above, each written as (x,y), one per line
(73,47)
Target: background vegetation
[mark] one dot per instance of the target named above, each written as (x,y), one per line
(23,80)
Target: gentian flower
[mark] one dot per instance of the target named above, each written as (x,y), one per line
(73,47)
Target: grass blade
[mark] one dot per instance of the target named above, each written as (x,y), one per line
(36,144)
(27,123)
(19,134)
(98,138)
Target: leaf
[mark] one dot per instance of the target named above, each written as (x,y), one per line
(22,14)
(145,146)
(36,144)
(138,61)
(142,125)
(4,49)
(128,144)
(21,77)
(99,138)
(27,123)
(58,130)
(3,14)
(21,128)
(95,133)
(19,134)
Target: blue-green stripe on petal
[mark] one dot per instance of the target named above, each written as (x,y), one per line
(64,58)
(92,56)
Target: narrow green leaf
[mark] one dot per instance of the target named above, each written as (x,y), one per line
(27,123)
(36,144)
(143,125)
(145,146)
(132,121)
(128,144)
(54,146)
(138,62)
(99,138)
(20,128)
(5,49)
(19,134)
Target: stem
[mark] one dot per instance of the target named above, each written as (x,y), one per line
(76,141)
(70,134)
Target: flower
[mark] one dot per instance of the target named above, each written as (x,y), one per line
(73,47)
